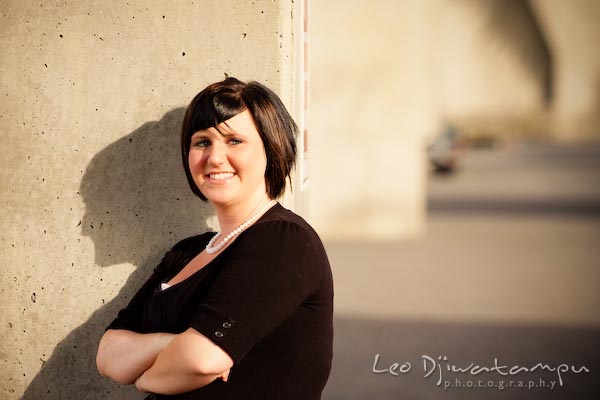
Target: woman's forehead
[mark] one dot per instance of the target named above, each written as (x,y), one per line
(239,124)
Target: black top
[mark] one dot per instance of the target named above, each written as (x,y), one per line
(266,300)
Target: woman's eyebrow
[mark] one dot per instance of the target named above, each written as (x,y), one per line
(225,133)
(199,133)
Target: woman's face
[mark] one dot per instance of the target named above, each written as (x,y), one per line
(229,166)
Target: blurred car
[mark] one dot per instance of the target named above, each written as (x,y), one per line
(445,150)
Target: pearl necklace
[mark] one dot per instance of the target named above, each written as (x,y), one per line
(210,249)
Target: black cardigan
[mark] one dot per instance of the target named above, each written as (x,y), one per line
(266,300)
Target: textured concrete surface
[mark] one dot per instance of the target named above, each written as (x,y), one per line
(92,192)
(508,269)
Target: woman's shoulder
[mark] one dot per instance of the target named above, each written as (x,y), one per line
(192,242)
(279,216)
(280,224)
(181,250)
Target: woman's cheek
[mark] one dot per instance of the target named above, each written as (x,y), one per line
(194,161)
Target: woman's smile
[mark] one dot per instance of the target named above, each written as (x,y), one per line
(219,177)
(228,162)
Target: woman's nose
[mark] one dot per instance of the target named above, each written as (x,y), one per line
(217,153)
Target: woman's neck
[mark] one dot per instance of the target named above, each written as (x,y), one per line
(232,216)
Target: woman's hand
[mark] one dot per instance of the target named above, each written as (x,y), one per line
(224,376)
(189,362)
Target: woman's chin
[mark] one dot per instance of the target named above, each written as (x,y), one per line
(218,201)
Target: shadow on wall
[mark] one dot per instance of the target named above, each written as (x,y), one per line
(138,204)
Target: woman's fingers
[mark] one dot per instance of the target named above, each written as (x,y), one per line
(224,375)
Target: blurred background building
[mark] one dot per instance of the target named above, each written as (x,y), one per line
(387,77)
(491,252)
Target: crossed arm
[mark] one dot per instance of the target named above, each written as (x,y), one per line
(161,362)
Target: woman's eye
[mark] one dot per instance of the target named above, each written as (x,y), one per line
(201,143)
(235,141)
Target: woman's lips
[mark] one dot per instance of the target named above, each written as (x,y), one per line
(220,176)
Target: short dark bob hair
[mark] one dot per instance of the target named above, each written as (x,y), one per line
(222,100)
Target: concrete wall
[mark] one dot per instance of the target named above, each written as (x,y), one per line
(92,192)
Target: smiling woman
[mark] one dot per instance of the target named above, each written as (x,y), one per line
(228,162)
(222,101)
(246,312)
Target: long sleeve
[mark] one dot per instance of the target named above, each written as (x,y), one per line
(131,317)
(270,272)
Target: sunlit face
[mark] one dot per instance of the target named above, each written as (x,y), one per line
(229,166)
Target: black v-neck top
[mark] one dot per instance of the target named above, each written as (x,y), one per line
(266,300)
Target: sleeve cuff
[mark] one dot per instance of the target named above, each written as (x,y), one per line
(227,333)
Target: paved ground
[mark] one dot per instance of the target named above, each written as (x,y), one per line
(508,270)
